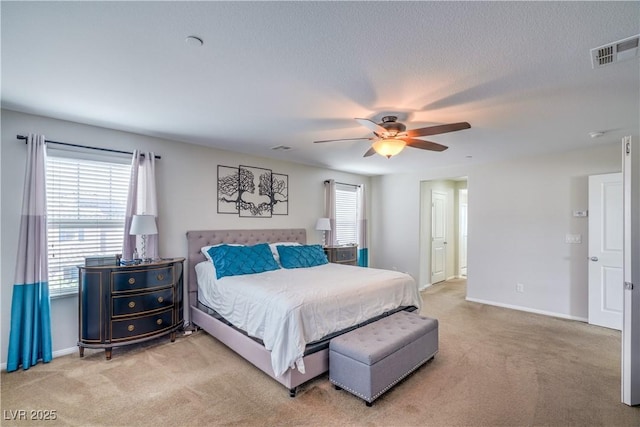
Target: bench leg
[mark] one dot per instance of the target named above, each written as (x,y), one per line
(337,387)
(368,404)
(292,392)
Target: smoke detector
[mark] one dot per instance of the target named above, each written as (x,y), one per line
(615,52)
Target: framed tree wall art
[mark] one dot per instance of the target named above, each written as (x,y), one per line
(252,192)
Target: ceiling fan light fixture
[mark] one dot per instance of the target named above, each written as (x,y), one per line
(388,147)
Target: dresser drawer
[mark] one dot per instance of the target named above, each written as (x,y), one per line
(345,254)
(125,305)
(131,328)
(136,279)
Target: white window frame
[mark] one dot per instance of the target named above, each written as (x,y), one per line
(346,214)
(104,222)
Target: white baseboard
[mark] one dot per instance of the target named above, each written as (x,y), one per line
(65,351)
(422,288)
(528,309)
(58,353)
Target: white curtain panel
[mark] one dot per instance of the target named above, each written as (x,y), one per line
(147,198)
(129,241)
(141,199)
(330,210)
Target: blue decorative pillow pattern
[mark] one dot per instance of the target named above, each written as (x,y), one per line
(301,256)
(238,260)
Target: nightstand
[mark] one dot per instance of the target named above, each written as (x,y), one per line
(347,255)
(121,305)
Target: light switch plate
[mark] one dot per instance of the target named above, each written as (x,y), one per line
(573,238)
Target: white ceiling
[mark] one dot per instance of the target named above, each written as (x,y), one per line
(289,73)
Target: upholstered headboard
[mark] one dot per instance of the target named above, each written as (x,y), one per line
(197,239)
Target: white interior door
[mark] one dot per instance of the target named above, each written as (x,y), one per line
(631,325)
(462,228)
(438,236)
(605,250)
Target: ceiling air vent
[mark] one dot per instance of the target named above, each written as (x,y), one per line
(615,52)
(281,147)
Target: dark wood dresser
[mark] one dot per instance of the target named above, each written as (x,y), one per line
(127,305)
(342,254)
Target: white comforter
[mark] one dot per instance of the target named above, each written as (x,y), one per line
(289,308)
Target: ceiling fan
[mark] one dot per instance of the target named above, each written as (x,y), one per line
(391,136)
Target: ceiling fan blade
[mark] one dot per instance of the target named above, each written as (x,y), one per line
(343,139)
(370,152)
(435,130)
(424,145)
(371,125)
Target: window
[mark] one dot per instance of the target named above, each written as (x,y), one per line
(86,202)
(346,214)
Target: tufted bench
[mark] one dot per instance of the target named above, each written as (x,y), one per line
(370,360)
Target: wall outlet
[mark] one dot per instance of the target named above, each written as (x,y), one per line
(519,287)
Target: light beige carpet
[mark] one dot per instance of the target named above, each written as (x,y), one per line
(496,367)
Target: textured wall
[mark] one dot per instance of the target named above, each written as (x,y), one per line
(186,185)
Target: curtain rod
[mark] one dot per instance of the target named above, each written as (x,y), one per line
(84,146)
(343,183)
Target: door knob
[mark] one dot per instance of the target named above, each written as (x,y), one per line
(594,258)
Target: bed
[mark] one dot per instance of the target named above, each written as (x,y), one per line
(304,354)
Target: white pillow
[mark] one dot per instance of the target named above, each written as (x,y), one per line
(206,279)
(206,271)
(274,249)
(205,250)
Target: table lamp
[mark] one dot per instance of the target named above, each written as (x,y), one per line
(324,225)
(143,225)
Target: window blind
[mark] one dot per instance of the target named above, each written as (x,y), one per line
(346,214)
(86,202)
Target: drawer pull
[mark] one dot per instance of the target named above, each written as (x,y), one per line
(132,304)
(159,321)
(160,299)
(132,280)
(160,277)
(130,328)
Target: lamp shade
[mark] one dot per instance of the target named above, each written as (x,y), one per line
(143,225)
(389,147)
(323,224)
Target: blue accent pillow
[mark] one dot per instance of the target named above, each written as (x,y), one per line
(301,256)
(238,260)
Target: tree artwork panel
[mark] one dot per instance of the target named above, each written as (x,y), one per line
(228,189)
(279,194)
(254,198)
(250,191)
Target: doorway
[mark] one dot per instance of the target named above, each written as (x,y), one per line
(442,239)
